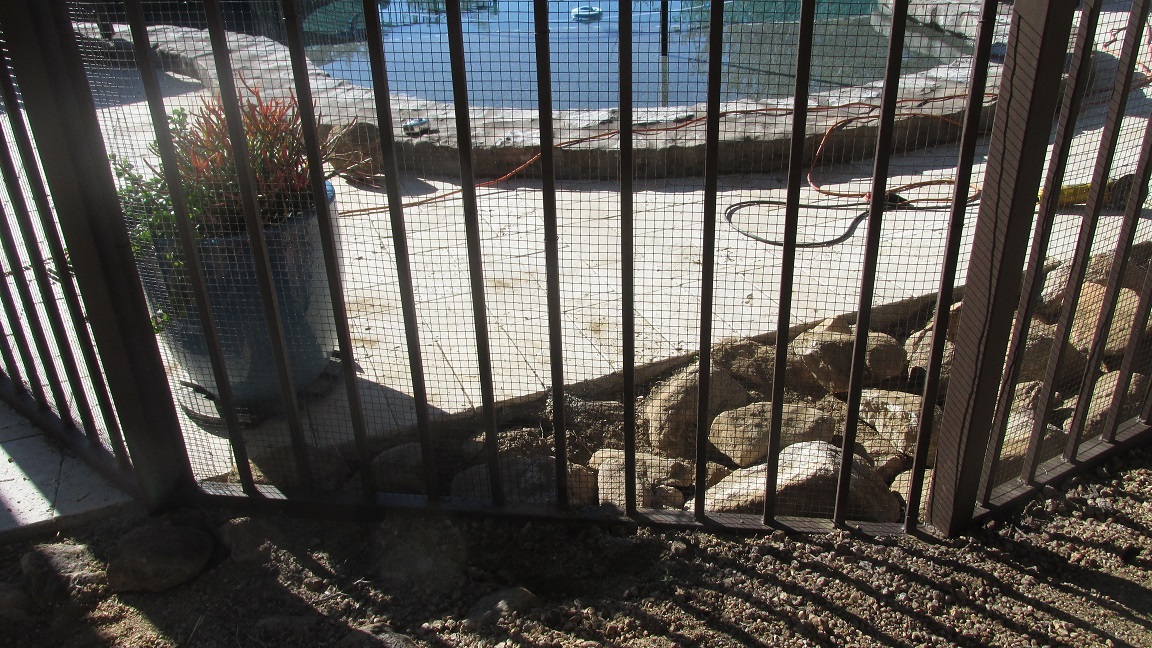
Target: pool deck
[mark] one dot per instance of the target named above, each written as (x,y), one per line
(44,488)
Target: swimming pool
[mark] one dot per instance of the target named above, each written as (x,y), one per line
(759,55)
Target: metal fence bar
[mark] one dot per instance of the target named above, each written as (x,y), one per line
(1133,208)
(1095,202)
(388,164)
(96,456)
(944,295)
(60,264)
(188,239)
(35,325)
(250,202)
(11,368)
(1074,90)
(1132,44)
(664,8)
(1038,39)
(39,268)
(708,251)
(308,121)
(551,246)
(62,115)
(27,360)
(472,231)
(877,202)
(627,255)
(796,168)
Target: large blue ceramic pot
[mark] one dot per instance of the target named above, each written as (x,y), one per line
(301,286)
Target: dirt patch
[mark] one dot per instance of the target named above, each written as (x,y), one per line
(1072,570)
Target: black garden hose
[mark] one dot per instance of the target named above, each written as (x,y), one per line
(895,201)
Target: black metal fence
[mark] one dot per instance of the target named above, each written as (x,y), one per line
(685,263)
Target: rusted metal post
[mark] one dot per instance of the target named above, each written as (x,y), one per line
(62,116)
(1038,41)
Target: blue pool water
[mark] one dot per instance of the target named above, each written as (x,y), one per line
(759,56)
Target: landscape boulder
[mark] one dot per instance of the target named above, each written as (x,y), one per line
(1088,317)
(1038,352)
(399,469)
(52,572)
(652,471)
(918,346)
(890,423)
(806,486)
(1102,395)
(671,409)
(528,480)
(156,557)
(826,352)
(741,434)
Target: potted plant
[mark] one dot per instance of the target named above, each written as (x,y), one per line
(207,172)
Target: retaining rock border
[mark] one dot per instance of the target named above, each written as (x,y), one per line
(754,133)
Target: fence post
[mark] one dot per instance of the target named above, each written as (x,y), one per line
(46,59)
(1037,46)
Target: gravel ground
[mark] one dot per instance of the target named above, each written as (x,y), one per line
(1071,570)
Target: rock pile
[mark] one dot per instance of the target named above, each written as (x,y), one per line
(815,412)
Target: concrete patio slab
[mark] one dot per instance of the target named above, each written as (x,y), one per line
(43,487)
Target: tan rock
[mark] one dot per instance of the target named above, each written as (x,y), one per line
(918,346)
(826,352)
(1088,315)
(1105,389)
(399,470)
(1038,352)
(671,408)
(806,486)
(651,471)
(742,434)
(885,357)
(528,480)
(1015,446)
(890,423)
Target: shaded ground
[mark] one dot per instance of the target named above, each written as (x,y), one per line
(1073,570)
